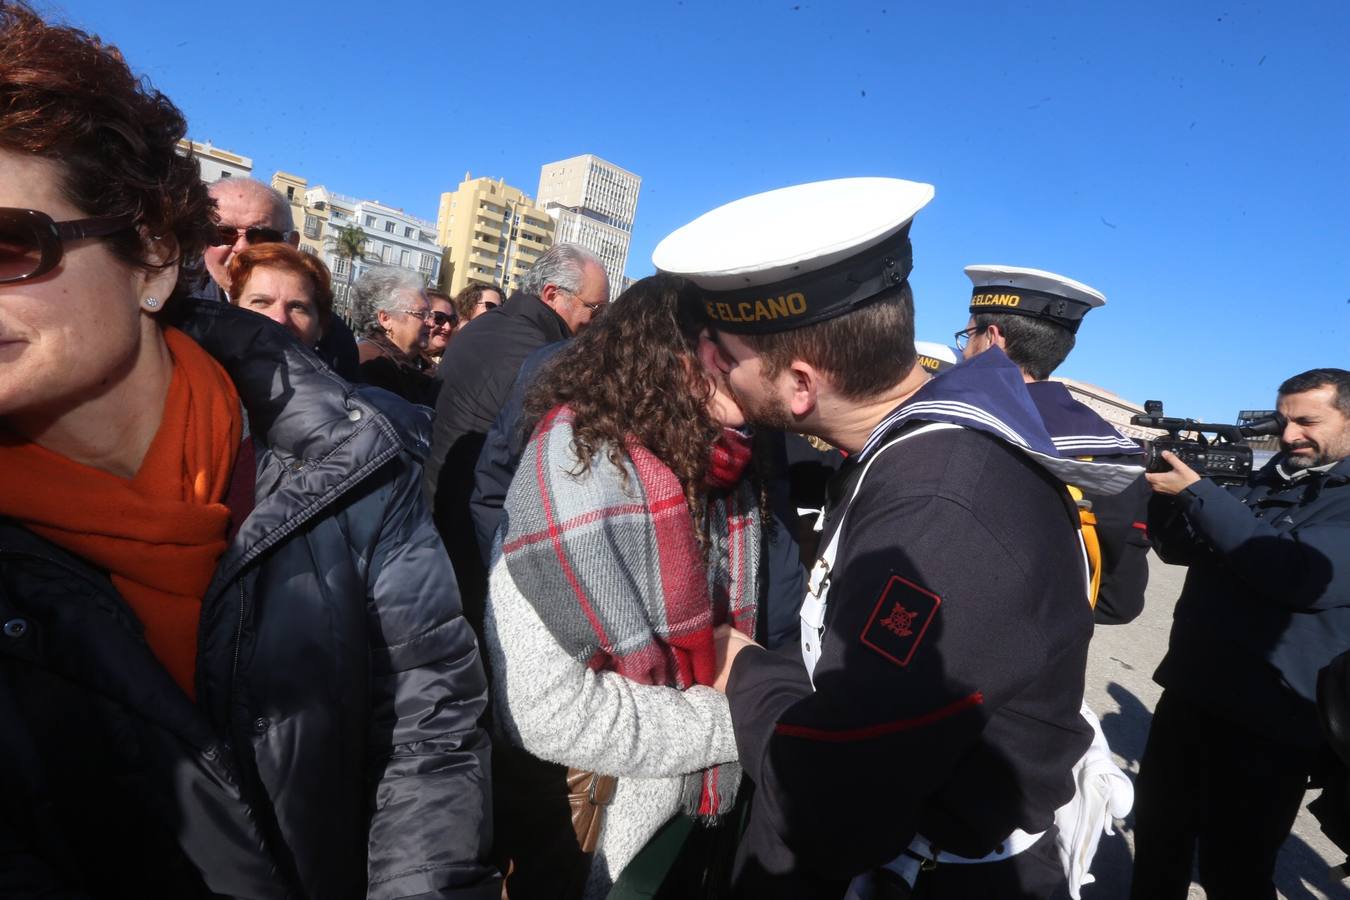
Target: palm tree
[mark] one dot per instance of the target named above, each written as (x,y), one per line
(351,244)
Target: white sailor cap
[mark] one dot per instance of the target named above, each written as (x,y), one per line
(934,357)
(797,255)
(1032,292)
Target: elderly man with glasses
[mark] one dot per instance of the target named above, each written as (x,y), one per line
(558,296)
(391,306)
(249,212)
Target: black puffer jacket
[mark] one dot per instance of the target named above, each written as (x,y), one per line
(332,751)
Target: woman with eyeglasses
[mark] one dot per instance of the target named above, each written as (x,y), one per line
(391,308)
(232,661)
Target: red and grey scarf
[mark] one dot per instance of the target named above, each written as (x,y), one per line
(613,569)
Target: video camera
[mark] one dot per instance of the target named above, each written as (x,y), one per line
(1224,459)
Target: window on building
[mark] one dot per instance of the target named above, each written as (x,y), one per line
(311,226)
(224,174)
(307,248)
(408,231)
(404,258)
(290,192)
(370,221)
(427,264)
(387,257)
(389,227)
(340,266)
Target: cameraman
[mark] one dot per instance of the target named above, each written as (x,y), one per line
(1266,605)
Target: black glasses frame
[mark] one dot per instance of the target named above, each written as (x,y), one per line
(49,236)
(257,234)
(965,334)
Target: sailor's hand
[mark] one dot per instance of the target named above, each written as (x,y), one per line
(1177,480)
(728,642)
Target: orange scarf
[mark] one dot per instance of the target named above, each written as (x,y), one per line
(160,534)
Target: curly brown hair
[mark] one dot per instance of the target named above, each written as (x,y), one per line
(68,98)
(467,299)
(633,374)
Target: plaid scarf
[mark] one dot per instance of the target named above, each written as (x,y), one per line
(625,553)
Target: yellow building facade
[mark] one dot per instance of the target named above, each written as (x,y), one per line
(310,221)
(492,233)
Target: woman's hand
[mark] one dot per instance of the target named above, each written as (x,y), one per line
(729,642)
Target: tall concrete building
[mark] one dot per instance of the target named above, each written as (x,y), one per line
(214,162)
(492,233)
(594,203)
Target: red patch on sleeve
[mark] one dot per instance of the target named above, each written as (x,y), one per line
(900,619)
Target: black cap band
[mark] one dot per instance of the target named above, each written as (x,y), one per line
(1001,300)
(812,297)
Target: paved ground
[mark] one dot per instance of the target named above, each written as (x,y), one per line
(1120,689)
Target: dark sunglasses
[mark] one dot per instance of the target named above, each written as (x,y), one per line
(441,319)
(31,243)
(226,235)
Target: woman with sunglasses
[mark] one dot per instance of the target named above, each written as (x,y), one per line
(231,655)
(444,321)
(474,300)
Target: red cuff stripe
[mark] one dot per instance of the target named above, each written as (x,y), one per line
(872,731)
(1142,526)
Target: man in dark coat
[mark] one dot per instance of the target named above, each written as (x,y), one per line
(558,297)
(332,750)
(1265,607)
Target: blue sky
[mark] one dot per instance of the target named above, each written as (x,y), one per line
(1190,160)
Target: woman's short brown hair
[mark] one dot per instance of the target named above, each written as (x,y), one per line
(288,259)
(68,98)
(467,299)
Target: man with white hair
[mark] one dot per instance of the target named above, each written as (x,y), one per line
(558,297)
(249,212)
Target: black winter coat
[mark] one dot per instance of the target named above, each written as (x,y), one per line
(1267,599)
(332,751)
(476,374)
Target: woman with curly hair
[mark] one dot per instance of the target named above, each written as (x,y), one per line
(232,661)
(630,535)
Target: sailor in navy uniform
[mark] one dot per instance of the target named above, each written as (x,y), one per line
(924,735)
(934,358)
(1033,316)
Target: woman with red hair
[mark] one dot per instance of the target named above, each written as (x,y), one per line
(291,288)
(232,660)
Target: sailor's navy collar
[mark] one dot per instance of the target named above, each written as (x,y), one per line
(987,394)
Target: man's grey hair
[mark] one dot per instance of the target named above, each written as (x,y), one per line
(379,289)
(562,265)
(282,220)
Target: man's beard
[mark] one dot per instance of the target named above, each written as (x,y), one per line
(1295,463)
(766,411)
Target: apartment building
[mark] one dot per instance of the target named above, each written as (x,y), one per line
(214,162)
(492,233)
(593,203)
(393,238)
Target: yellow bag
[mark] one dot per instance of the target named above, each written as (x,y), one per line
(1087,523)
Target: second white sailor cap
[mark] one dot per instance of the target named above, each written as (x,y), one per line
(1032,292)
(798,255)
(935,357)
